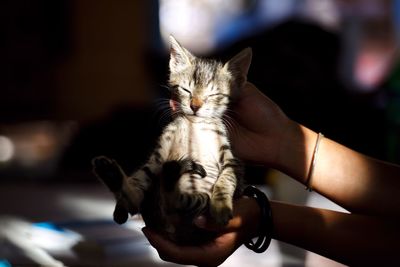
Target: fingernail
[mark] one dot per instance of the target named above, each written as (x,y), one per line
(200,221)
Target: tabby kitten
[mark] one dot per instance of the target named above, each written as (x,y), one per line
(192,170)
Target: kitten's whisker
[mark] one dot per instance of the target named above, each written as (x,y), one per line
(231,112)
(164,111)
(165,86)
(230,123)
(161,101)
(166,115)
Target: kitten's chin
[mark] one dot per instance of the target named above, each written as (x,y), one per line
(197,116)
(201,114)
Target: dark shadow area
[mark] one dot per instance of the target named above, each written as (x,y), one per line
(78,79)
(296,64)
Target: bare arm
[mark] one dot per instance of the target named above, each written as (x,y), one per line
(367,187)
(348,238)
(352,180)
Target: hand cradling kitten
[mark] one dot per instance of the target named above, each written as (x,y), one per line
(192,170)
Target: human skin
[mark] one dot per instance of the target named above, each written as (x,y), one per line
(368,188)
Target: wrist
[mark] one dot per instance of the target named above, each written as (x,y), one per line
(250,215)
(295,151)
(265,227)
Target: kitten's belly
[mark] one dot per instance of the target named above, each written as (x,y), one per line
(203,146)
(197,141)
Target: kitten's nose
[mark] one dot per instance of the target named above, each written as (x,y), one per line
(195,104)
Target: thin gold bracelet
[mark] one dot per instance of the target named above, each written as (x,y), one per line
(313,161)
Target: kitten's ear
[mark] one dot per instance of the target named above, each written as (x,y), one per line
(239,65)
(180,58)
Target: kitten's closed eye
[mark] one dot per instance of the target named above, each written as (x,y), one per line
(186,90)
(181,88)
(217,97)
(217,94)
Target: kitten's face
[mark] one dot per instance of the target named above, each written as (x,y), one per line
(202,87)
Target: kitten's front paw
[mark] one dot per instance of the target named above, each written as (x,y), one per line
(198,169)
(109,172)
(190,166)
(221,211)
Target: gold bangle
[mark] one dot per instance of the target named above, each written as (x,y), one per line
(313,161)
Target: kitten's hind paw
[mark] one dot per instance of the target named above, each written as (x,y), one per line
(109,172)
(221,212)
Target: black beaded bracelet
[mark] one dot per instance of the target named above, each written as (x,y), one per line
(266,224)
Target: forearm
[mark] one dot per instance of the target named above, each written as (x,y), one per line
(348,238)
(352,180)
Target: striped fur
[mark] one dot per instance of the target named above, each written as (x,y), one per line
(192,169)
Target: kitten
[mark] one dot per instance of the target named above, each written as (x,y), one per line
(192,170)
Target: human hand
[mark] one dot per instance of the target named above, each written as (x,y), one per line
(260,128)
(241,228)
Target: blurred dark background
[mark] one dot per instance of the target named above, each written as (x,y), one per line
(82,78)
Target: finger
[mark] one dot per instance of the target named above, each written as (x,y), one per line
(249,89)
(209,224)
(169,251)
(165,249)
(246,99)
(241,209)
(217,250)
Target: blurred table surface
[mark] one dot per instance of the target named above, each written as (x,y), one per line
(71,225)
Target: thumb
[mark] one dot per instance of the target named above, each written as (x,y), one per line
(201,222)
(207,224)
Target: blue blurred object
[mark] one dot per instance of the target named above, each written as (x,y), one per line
(49,226)
(5,263)
(396,18)
(260,16)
